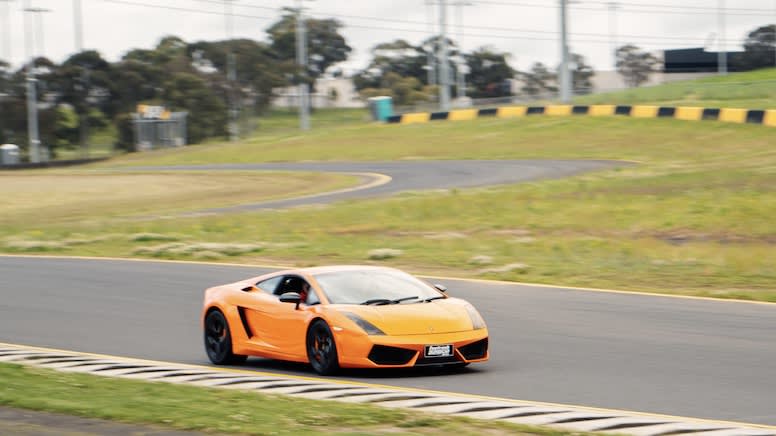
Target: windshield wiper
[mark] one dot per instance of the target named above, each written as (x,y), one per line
(383,301)
(378,301)
(438,297)
(399,300)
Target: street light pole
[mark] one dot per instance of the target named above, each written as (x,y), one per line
(78,26)
(613,7)
(722,54)
(32,99)
(41,40)
(461,74)
(301,60)
(431,64)
(565,79)
(7,25)
(444,70)
(231,73)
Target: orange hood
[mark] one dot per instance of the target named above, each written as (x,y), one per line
(440,316)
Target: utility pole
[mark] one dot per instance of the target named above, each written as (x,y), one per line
(39,29)
(83,124)
(565,76)
(613,7)
(460,71)
(431,65)
(78,26)
(301,60)
(722,54)
(32,99)
(231,74)
(444,66)
(7,25)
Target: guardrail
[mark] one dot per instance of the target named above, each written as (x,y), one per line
(732,115)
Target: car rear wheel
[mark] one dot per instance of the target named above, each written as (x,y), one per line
(218,340)
(321,349)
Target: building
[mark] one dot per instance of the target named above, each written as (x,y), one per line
(330,92)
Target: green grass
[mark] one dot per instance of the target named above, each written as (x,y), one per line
(695,216)
(224,411)
(752,90)
(78,196)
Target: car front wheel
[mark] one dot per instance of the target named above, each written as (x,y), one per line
(218,340)
(321,349)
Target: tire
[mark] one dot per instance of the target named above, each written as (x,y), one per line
(218,340)
(321,348)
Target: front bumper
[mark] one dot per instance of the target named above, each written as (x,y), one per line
(357,350)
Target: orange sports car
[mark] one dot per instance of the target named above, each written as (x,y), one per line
(342,316)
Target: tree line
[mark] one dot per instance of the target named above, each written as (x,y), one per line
(86,90)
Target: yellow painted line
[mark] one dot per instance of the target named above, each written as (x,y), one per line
(732,115)
(688,113)
(462,114)
(381,386)
(377,180)
(463,279)
(641,111)
(420,117)
(770,118)
(601,110)
(511,111)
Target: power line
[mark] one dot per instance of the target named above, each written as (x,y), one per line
(711,11)
(632,38)
(182,9)
(695,8)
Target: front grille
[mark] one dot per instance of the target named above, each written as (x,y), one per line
(422,361)
(475,350)
(384,355)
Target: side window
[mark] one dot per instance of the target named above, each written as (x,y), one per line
(312,298)
(269,285)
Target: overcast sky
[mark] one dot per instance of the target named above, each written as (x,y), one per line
(526,29)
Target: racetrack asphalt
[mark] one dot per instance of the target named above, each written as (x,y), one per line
(405,176)
(690,357)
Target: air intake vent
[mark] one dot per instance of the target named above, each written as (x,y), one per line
(475,350)
(383,355)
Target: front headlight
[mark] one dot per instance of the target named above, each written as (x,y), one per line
(365,325)
(477,321)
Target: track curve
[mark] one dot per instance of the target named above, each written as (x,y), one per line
(404,176)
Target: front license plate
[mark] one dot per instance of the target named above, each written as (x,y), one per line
(438,351)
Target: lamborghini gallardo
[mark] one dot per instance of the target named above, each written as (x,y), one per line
(342,317)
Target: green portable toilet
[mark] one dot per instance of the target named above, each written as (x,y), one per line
(381,108)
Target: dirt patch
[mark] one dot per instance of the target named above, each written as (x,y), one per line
(31,423)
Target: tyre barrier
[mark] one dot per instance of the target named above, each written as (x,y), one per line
(731,115)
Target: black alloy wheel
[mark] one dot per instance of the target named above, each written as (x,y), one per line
(218,340)
(321,349)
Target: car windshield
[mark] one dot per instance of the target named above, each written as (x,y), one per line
(373,286)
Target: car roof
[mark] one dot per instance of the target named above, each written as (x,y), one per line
(337,268)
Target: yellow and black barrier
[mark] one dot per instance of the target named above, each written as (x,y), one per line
(732,115)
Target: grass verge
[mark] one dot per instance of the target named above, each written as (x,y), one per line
(751,90)
(694,217)
(224,411)
(76,196)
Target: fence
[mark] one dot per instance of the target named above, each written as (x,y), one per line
(152,133)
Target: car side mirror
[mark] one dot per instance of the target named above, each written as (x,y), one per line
(440,287)
(291,297)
